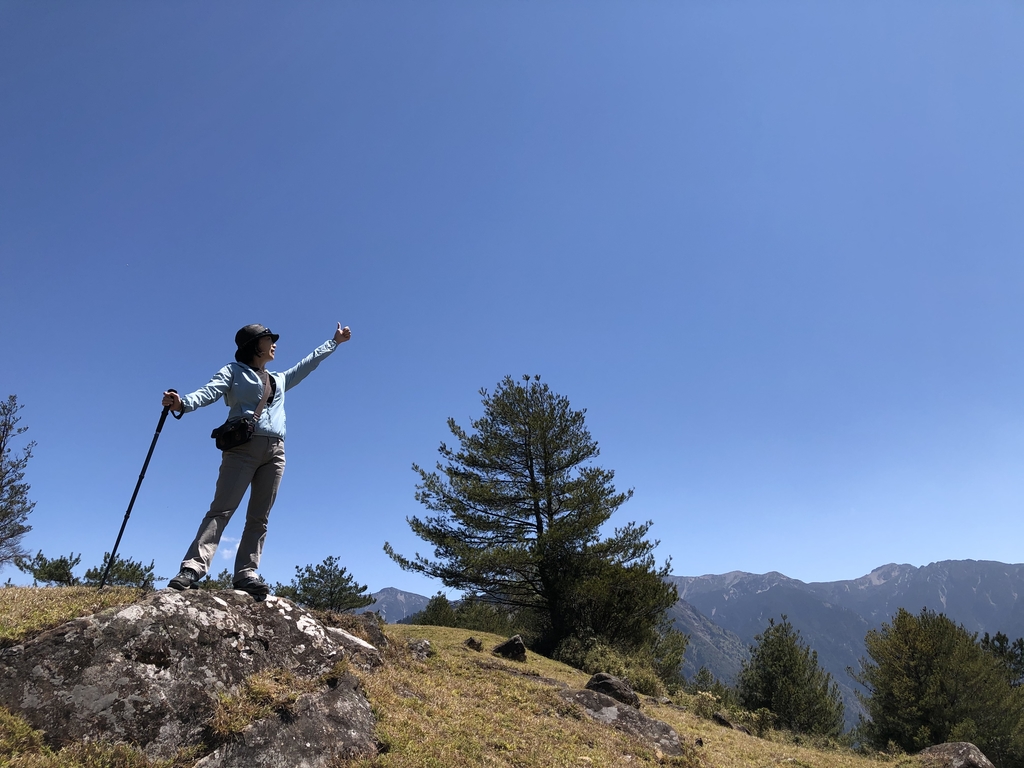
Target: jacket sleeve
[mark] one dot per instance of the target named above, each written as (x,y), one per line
(211,393)
(308,364)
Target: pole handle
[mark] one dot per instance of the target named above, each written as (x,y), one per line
(175,414)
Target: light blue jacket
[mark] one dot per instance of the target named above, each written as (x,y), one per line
(242,390)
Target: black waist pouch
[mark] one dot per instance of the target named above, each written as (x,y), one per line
(233,433)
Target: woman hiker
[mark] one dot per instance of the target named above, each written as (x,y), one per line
(252,392)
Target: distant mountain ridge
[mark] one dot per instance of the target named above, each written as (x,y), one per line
(980,594)
(833,617)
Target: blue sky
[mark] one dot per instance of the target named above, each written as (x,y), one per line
(774,249)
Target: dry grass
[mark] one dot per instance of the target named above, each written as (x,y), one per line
(465,708)
(90,755)
(272,691)
(23,747)
(27,611)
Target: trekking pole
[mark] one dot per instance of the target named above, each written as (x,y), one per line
(159,426)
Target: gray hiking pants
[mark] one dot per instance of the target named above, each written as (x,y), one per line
(259,463)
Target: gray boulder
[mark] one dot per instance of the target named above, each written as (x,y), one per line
(956,754)
(421,650)
(624,717)
(514,648)
(149,674)
(615,687)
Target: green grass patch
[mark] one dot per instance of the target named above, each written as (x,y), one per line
(17,736)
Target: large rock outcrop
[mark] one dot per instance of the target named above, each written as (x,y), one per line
(150,674)
(954,754)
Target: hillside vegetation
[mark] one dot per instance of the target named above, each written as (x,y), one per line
(458,707)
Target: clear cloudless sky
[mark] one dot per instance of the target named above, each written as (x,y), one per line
(774,249)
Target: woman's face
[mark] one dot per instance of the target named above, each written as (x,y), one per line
(266,348)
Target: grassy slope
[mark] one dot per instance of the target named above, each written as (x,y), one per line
(465,708)
(459,708)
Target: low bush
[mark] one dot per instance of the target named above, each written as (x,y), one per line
(593,657)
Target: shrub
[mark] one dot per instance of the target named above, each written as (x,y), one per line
(706,704)
(593,657)
(704,680)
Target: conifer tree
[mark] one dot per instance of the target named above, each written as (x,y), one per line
(1009,655)
(467,614)
(15,505)
(518,512)
(929,681)
(56,571)
(438,613)
(125,572)
(783,676)
(327,586)
(223,580)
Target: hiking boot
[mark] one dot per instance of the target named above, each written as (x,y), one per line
(187,579)
(254,585)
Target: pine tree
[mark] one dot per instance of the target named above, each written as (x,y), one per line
(783,676)
(929,680)
(518,514)
(326,586)
(473,614)
(222,580)
(438,613)
(56,571)
(123,573)
(1009,655)
(15,506)
(704,680)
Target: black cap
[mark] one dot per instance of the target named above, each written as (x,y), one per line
(250,333)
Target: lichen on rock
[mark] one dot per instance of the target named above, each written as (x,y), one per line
(150,674)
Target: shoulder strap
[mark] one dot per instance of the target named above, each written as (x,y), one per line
(265,378)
